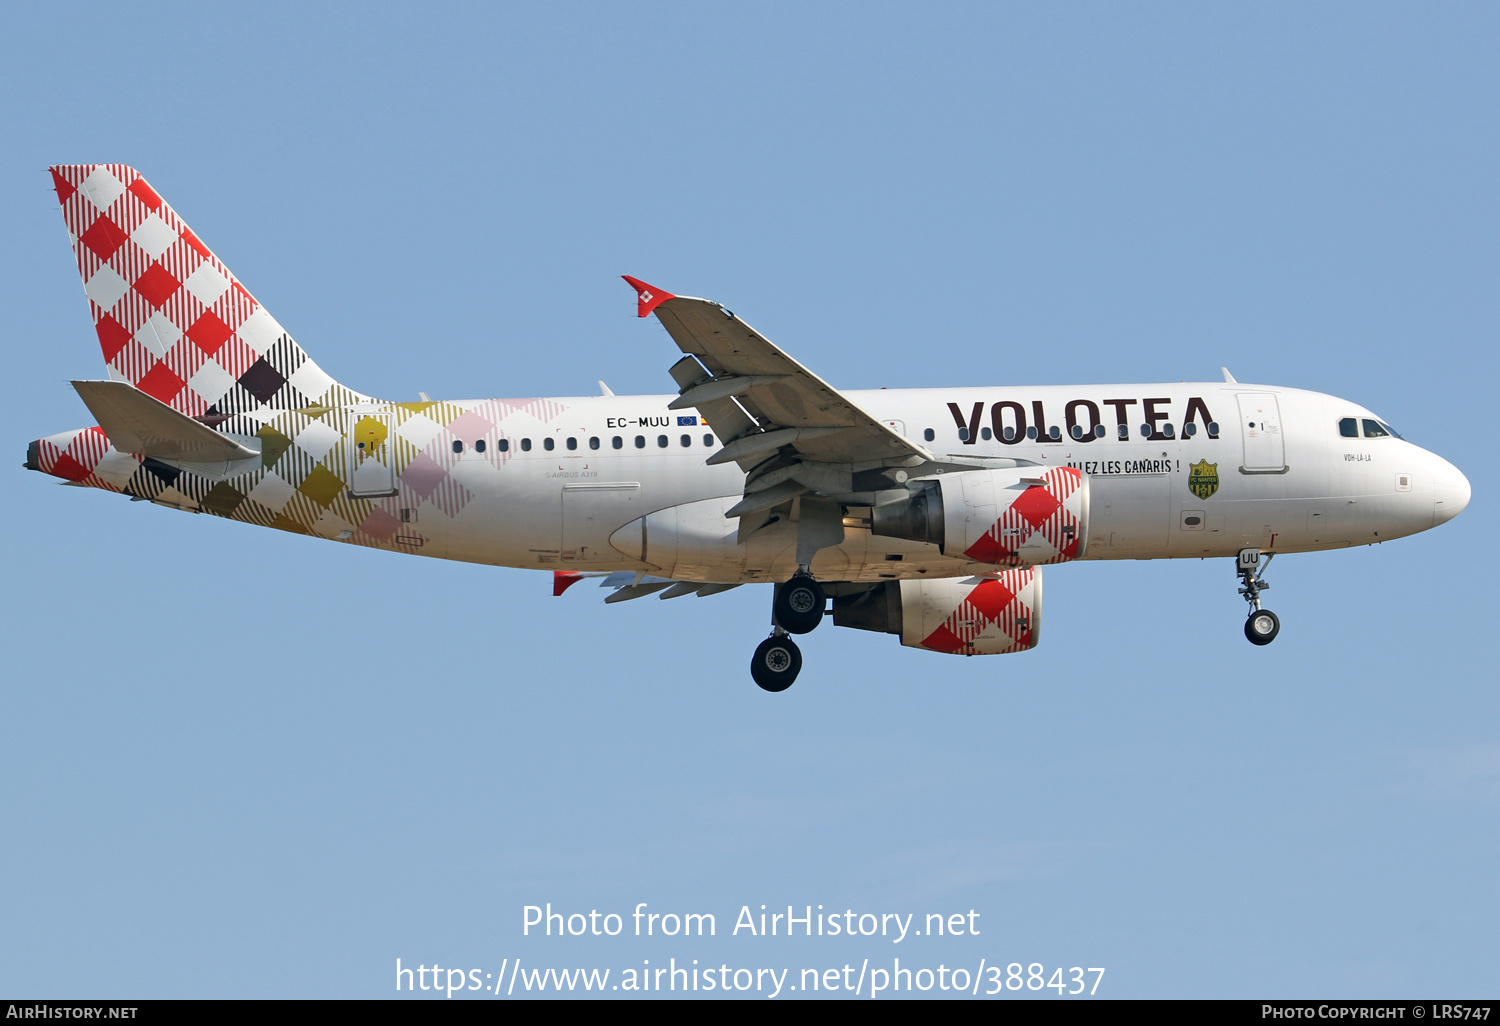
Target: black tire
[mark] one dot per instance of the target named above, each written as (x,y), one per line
(776,663)
(799,605)
(1262,627)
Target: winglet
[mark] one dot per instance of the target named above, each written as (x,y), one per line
(562,580)
(648,297)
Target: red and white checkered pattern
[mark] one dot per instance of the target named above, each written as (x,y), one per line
(988,617)
(85,457)
(1043,524)
(171,319)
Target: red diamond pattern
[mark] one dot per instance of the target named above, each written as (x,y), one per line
(65,189)
(193,241)
(1036,504)
(69,468)
(990,598)
(103,238)
(161,383)
(112,337)
(157,285)
(143,192)
(209,332)
(988,618)
(1038,514)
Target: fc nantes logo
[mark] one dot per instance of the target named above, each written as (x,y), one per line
(1203,478)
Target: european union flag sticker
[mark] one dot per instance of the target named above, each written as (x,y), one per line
(687,421)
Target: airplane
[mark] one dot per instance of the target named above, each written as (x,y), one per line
(924,513)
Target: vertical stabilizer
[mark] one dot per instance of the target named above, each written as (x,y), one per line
(172,320)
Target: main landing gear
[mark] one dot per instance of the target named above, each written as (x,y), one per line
(799,604)
(1261,626)
(776,662)
(797,609)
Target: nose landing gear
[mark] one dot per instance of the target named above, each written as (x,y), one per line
(1261,625)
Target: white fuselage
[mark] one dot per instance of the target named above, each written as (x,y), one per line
(625,485)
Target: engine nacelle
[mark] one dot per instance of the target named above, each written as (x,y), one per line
(1024,516)
(964,616)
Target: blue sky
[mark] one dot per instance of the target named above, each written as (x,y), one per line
(239,763)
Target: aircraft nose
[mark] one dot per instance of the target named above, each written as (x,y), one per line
(1450,492)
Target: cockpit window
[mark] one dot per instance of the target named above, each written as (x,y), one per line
(1374,430)
(1349,427)
(1390,430)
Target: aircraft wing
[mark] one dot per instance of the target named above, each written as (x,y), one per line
(759,400)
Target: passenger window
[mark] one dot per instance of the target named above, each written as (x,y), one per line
(1124,433)
(929,434)
(640,441)
(617,442)
(479,445)
(687,440)
(985,434)
(459,446)
(1374,430)
(661,441)
(593,443)
(525,445)
(505,445)
(708,440)
(572,443)
(548,444)
(1349,427)
(963,434)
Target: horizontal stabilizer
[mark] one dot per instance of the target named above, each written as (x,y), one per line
(137,423)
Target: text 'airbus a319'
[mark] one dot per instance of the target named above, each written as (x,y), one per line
(924,513)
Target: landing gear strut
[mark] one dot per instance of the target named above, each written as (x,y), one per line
(799,604)
(776,662)
(1261,625)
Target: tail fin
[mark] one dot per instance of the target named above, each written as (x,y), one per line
(171,319)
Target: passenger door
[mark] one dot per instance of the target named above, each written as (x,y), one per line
(1260,427)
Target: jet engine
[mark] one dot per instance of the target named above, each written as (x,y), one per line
(1022,516)
(991,615)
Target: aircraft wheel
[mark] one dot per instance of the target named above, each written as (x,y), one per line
(799,604)
(776,663)
(1262,626)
